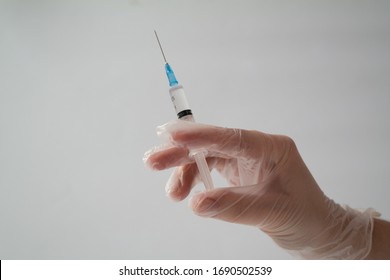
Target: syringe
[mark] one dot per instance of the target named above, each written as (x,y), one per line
(184,112)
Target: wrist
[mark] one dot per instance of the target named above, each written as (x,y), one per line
(347,234)
(380,248)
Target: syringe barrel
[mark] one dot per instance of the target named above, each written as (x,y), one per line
(184,112)
(179,101)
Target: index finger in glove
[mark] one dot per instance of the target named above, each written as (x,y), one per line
(227,141)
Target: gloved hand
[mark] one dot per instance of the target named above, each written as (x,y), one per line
(271,188)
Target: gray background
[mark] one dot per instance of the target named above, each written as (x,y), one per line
(76,83)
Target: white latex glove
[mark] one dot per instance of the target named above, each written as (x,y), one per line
(271,188)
